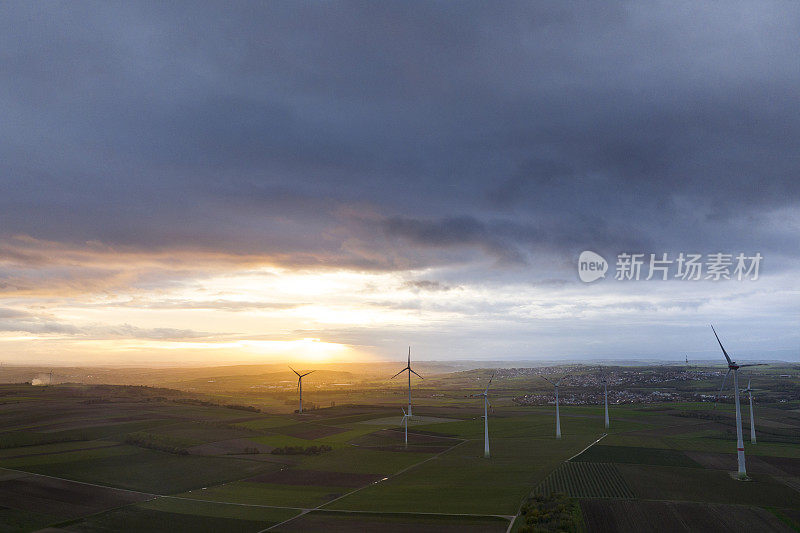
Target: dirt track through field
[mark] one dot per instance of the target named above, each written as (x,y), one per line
(296,476)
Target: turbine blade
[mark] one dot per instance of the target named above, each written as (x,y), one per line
(295,371)
(398,373)
(486,392)
(409,357)
(307,373)
(547,380)
(748,383)
(754,364)
(723,386)
(420,377)
(720,345)
(562,379)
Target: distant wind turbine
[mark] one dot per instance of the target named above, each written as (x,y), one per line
(749,390)
(558,417)
(605,390)
(410,371)
(404,421)
(50,381)
(732,366)
(486,405)
(300,386)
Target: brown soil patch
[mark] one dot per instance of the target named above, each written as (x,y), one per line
(727,461)
(77,449)
(61,497)
(352,523)
(90,423)
(786,464)
(630,516)
(310,432)
(229,447)
(296,476)
(686,426)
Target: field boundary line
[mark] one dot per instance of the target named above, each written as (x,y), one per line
(236,503)
(151,494)
(604,435)
(387,478)
(413,513)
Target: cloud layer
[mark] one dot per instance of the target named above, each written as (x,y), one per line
(145,147)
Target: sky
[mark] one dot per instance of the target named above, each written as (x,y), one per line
(219,183)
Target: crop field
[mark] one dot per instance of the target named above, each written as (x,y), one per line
(586,480)
(133,462)
(627,516)
(630,454)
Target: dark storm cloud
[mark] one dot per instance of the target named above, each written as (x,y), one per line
(505,129)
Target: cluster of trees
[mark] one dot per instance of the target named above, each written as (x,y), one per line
(301,450)
(554,512)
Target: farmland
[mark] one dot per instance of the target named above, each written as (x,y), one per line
(78,457)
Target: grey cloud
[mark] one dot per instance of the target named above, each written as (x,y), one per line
(505,129)
(427,285)
(13,320)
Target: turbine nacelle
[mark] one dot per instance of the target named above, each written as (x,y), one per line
(410,371)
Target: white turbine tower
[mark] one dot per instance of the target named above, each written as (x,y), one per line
(404,421)
(605,390)
(300,386)
(732,366)
(486,405)
(408,367)
(558,416)
(749,390)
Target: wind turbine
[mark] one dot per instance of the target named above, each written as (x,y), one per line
(486,405)
(300,386)
(732,366)
(749,390)
(605,390)
(558,417)
(404,421)
(410,371)
(50,381)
